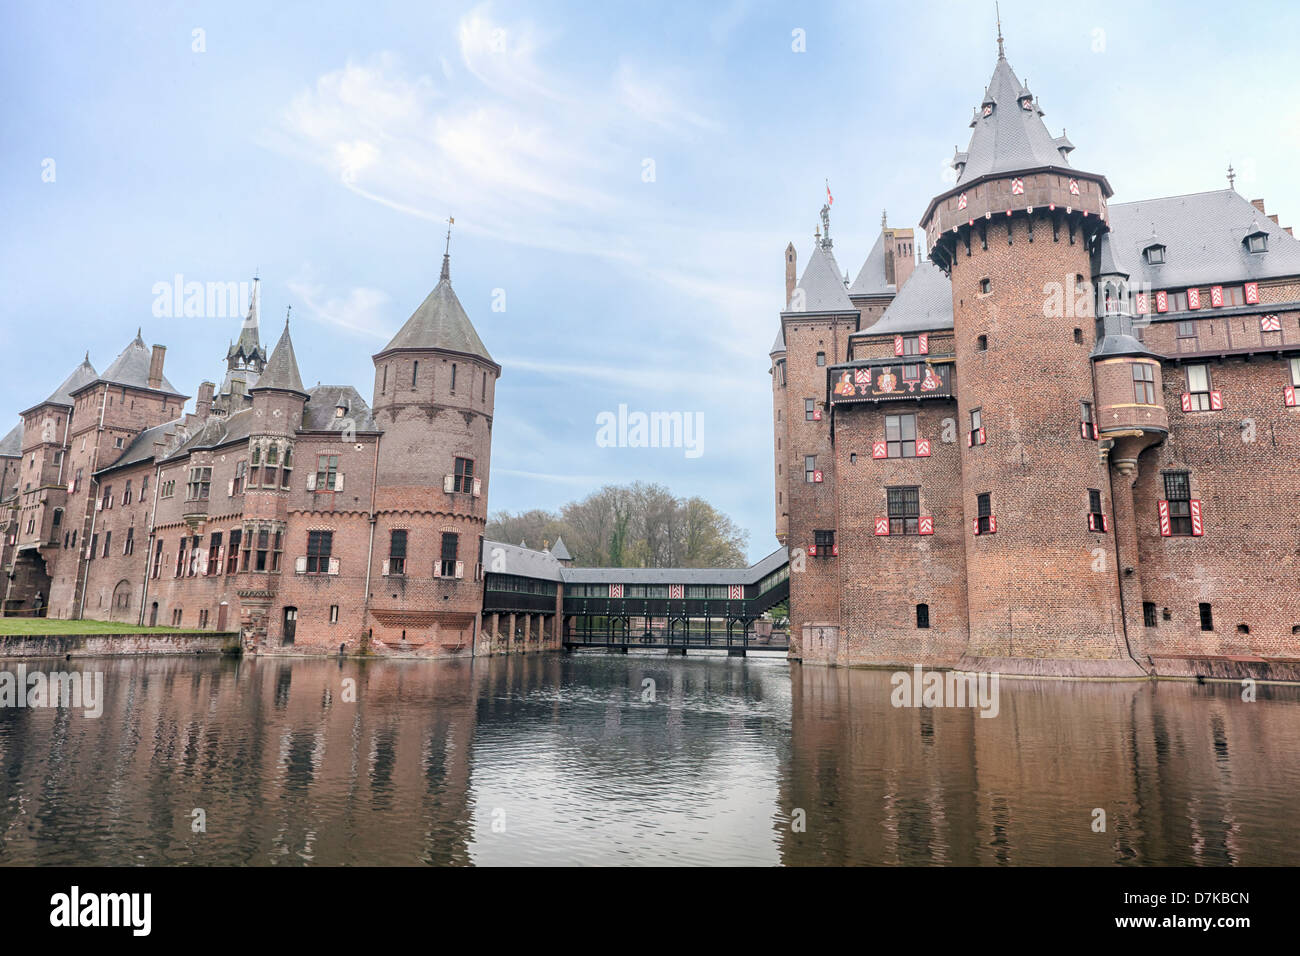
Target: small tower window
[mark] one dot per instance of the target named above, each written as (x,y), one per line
(982,343)
(821,359)
(1148,614)
(923,616)
(1078,336)
(986,286)
(1207,617)
(415,373)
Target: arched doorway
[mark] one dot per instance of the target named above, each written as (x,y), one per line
(121,607)
(290,625)
(153,614)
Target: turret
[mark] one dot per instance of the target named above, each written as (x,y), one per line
(1015,234)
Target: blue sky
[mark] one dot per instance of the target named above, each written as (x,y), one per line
(325,144)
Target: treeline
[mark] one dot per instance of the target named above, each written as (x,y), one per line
(631,526)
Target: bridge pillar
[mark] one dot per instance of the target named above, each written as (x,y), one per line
(510,632)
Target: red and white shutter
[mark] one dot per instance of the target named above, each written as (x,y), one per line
(1216,296)
(1083,430)
(1105,523)
(1092,521)
(817,476)
(1270,323)
(993,524)
(736,592)
(1216,401)
(925,524)
(982,437)
(1162,301)
(879,449)
(1252,293)
(975,525)
(1187,401)
(1198,528)
(970,440)
(898,345)
(817,414)
(1288,395)
(1141,303)
(882,525)
(616,590)
(675,592)
(1163,508)
(923,343)
(923,448)
(1193,298)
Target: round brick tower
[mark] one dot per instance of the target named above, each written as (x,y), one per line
(1015,236)
(435,389)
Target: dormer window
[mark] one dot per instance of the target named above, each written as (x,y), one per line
(340,411)
(1257,242)
(1155,255)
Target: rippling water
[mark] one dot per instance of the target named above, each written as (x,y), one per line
(566,760)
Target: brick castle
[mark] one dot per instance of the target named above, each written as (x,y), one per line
(1055,435)
(293,515)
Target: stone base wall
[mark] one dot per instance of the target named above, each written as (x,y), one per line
(116,645)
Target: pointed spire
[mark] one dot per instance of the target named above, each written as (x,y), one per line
(1002,53)
(446,253)
(1232,177)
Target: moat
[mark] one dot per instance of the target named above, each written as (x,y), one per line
(639,759)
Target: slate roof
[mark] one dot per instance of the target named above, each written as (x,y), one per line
(559,551)
(214,433)
(248,346)
(520,560)
(131,367)
(923,304)
(823,285)
(748,575)
(1011,137)
(281,370)
(779,344)
(546,566)
(440,323)
(320,415)
(11,446)
(871,277)
(1203,234)
(141,448)
(83,374)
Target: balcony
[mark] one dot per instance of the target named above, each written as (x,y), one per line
(892,380)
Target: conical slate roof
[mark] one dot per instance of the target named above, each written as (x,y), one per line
(11,446)
(281,370)
(131,367)
(871,278)
(1012,136)
(83,374)
(779,345)
(440,323)
(822,285)
(559,551)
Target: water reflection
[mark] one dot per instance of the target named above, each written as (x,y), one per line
(610,759)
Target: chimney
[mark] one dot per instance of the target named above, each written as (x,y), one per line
(156,366)
(789,273)
(1273,218)
(203,404)
(1258,204)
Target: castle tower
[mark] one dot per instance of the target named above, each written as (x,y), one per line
(435,389)
(277,409)
(1015,235)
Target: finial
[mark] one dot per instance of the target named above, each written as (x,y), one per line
(86,361)
(884,219)
(1002,53)
(826,226)
(446,253)
(286,317)
(1232,177)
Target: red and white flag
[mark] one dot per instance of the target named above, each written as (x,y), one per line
(830,200)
